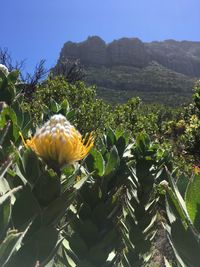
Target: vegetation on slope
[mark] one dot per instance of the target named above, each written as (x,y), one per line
(153,84)
(56,210)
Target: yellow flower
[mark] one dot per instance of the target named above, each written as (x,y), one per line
(59,141)
(196,169)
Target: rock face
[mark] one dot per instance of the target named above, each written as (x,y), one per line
(182,57)
(91,52)
(163,72)
(127,51)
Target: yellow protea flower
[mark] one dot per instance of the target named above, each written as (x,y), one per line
(57,140)
(196,169)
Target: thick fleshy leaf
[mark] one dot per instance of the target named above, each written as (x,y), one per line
(4,186)
(47,188)
(54,106)
(71,114)
(113,161)
(88,231)
(5,213)
(185,243)
(192,199)
(78,245)
(167,264)
(13,76)
(121,145)
(10,130)
(95,162)
(111,138)
(57,208)
(65,105)
(182,184)
(142,142)
(38,248)
(9,193)
(178,200)
(4,167)
(25,208)
(175,207)
(8,245)
(31,166)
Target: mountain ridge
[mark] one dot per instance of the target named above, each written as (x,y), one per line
(132,51)
(128,64)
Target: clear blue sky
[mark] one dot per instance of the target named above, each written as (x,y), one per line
(35,29)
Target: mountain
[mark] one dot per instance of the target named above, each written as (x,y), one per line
(156,71)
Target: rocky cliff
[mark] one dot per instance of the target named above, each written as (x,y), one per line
(182,57)
(128,64)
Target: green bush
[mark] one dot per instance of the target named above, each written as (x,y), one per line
(87,112)
(100,211)
(183,212)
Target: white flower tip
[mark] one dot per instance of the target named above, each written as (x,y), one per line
(4,69)
(58,118)
(165,184)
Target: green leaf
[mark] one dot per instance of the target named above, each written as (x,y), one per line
(7,92)
(88,231)
(27,122)
(185,243)
(8,111)
(25,208)
(7,246)
(95,162)
(177,200)
(113,161)
(111,138)
(31,166)
(10,93)
(23,118)
(192,199)
(99,214)
(174,206)
(50,263)
(65,105)
(47,238)
(2,75)
(47,188)
(45,110)
(13,76)
(85,211)
(4,186)
(182,184)
(5,213)
(54,106)
(54,212)
(9,194)
(71,114)
(167,264)
(85,263)
(78,245)
(4,167)
(97,255)
(41,246)
(80,183)
(121,145)
(8,121)
(142,142)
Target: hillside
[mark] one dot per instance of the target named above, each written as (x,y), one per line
(157,71)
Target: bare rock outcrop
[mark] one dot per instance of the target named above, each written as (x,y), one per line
(182,57)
